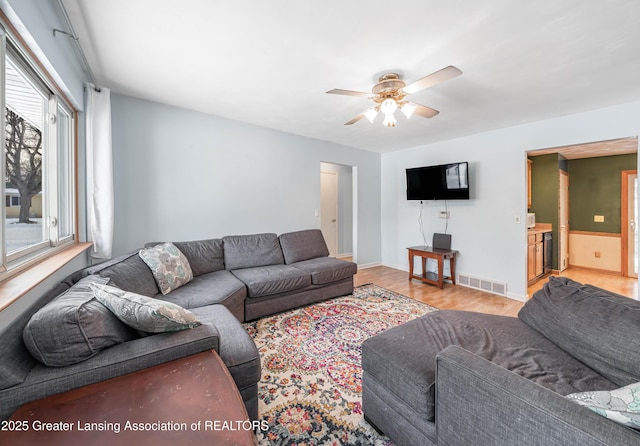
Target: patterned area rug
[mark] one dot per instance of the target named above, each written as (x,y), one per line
(310,392)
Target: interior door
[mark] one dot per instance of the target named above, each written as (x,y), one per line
(563,213)
(629,223)
(329,210)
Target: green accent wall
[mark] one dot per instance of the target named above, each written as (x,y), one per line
(595,189)
(545,183)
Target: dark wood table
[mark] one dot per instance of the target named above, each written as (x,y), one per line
(188,401)
(440,255)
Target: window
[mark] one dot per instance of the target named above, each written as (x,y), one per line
(38,166)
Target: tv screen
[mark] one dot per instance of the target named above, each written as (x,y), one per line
(443,182)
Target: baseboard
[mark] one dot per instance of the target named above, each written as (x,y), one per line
(368,265)
(518,297)
(344,255)
(611,272)
(400,268)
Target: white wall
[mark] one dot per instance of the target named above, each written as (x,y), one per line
(184,175)
(491,245)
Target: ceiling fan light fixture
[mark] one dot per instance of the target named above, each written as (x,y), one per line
(408,108)
(389,94)
(371,113)
(389,120)
(388,106)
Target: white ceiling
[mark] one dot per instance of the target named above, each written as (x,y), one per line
(270,63)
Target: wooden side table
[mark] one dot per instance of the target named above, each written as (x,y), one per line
(192,400)
(440,255)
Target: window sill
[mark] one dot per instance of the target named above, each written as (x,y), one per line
(17,286)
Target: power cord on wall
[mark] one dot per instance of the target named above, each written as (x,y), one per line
(420,225)
(446,221)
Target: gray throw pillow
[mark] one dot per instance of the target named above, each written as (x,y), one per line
(168,265)
(73,327)
(620,405)
(144,313)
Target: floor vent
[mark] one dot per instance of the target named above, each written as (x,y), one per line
(482,284)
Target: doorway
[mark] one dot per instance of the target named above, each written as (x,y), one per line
(337,208)
(599,238)
(629,207)
(329,210)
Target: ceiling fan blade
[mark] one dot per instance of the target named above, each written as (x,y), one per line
(350,93)
(433,79)
(355,119)
(424,111)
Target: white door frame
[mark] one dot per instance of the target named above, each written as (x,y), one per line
(563,219)
(628,223)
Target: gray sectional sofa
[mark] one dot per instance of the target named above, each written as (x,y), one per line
(462,378)
(235,279)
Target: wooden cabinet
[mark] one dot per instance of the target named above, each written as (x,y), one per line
(535,256)
(531,261)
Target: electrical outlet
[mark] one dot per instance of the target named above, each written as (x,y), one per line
(516,219)
(444,214)
(597,254)
(598,218)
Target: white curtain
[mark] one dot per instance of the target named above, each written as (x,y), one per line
(99,172)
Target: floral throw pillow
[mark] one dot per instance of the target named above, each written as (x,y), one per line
(169,266)
(144,313)
(620,405)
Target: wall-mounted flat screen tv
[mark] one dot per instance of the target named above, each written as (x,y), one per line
(443,182)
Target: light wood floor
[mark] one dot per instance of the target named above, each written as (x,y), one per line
(454,297)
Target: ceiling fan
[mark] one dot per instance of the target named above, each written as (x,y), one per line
(389,94)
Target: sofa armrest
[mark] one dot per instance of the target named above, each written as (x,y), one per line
(114,361)
(123,358)
(152,350)
(478,402)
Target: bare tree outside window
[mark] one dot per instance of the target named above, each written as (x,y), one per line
(39,183)
(23,160)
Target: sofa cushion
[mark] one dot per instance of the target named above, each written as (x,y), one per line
(144,313)
(248,251)
(204,256)
(73,327)
(599,328)
(620,405)
(206,289)
(303,245)
(327,269)
(129,273)
(403,359)
(273,279)
(169,266)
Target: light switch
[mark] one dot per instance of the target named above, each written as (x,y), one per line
(598,218)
